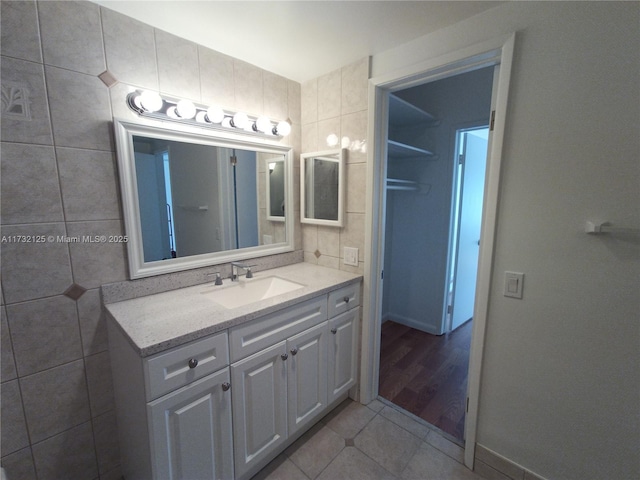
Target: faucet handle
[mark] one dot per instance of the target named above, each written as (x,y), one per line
(218,277)
(249,273)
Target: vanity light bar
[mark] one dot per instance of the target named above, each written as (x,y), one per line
(150,104)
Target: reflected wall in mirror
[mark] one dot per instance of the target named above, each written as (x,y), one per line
(195,198)
(275,188)
(322,188)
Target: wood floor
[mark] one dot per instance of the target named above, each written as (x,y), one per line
(426,374)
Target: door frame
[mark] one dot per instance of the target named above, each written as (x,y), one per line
(494,52)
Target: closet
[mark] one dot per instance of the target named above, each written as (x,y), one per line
(411,151)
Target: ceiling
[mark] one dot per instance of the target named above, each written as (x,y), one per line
(299,40)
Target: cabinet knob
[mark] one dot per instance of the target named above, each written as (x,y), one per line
(226,386)
(294,350)
(346,299)
(193,362)
(334,330)
(284,356)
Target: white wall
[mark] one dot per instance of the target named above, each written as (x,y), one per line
(560,379)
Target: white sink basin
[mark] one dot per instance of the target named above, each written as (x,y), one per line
(245,292)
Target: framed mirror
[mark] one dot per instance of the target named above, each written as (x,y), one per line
(322,188)
(194,197)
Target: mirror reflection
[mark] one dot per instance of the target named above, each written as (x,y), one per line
(275,188)
(197,199)
(194,199)
(322,187)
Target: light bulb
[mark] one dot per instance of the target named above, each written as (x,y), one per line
(226,122)
(186,109)
(172,112)
(332,140)
(215,114)
(283,129)
(272,166)
(346,142)
(240,120)
(263,124)
(150,101)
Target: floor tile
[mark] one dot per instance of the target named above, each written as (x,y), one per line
(352,464)
(349,418)
(315,450)
(430,464)
(405,421)
(446,446)
(390,445)
(280,469)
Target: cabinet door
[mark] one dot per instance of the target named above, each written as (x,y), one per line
(259,406)
(343,353)
(307,376)
(191,430)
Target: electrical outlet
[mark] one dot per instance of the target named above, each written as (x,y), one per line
(267,239)
(351,256)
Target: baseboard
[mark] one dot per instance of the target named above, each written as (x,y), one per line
(411,322)
(493,466)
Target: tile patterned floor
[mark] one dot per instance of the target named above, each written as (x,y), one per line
(373,442)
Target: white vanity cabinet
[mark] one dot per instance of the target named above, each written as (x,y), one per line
(281,388)
(190,430)
(223,406)
(343,340)
(174,410)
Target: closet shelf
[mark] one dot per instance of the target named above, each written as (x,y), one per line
(407,185)
(402,150)
(403,113)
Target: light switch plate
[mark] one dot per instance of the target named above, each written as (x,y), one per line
(513,283)
(351,256)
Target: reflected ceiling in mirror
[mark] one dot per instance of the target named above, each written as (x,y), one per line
(194,198)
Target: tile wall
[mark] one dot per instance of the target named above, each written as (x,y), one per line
(335,105)
(59,178)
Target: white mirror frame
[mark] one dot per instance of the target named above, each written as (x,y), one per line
(125,130)
(337,156)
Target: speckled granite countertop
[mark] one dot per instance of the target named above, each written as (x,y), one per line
(165,320)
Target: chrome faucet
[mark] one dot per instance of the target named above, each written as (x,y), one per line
(234,270)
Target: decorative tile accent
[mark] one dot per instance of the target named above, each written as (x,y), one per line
(349,442)
(317,253)
(108,78)
(15,101)
(14,127)
(75,291)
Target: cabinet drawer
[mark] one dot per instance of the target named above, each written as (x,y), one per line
(263,332)
(344,299)
(173,369)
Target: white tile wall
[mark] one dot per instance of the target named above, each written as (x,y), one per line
(59,178)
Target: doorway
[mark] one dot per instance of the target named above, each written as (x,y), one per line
(435,182)
(496,52)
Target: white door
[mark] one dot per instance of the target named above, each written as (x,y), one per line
(259,406)
(191,431)
(474,159)
(343,353)
(307,376)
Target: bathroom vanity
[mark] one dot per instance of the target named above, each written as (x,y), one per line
(205,390)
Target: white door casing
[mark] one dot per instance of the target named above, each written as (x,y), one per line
(498,52)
